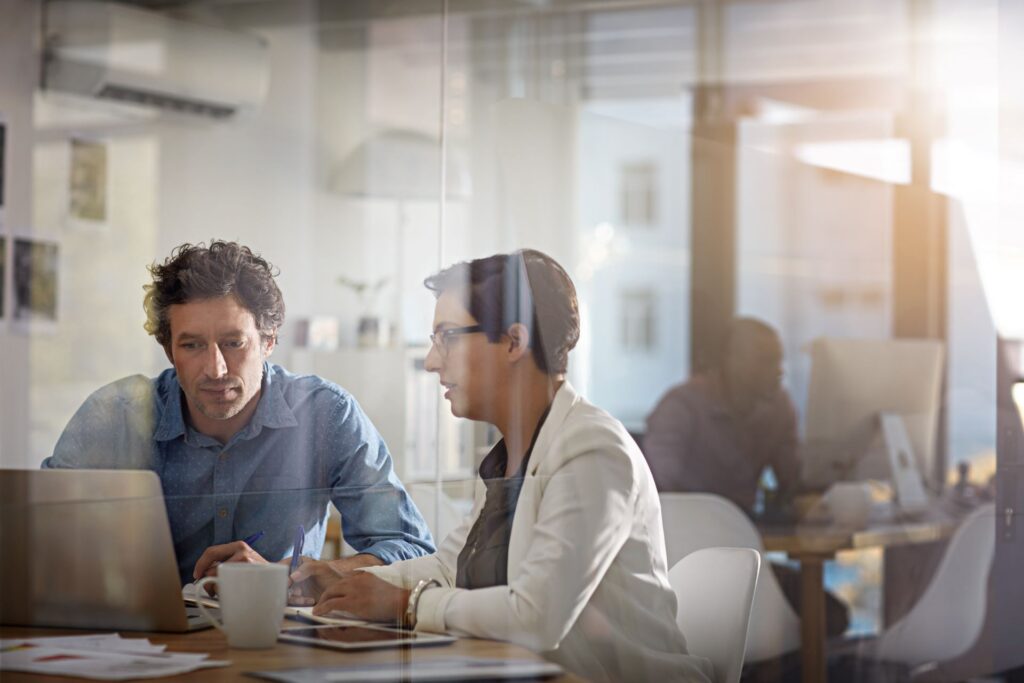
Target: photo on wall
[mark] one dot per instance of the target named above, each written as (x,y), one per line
(35,280)
(88,181)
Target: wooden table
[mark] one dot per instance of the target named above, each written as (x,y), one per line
(281,656)
(812,546)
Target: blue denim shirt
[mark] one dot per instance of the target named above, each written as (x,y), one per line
(307,444)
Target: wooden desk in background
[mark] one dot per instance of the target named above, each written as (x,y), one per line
(281,656)
(332,539)
(812,546)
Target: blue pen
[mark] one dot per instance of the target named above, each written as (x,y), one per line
(249,540)
(300,540)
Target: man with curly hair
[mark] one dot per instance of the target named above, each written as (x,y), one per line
(247,452)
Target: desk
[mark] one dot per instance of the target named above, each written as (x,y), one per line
(812,546)
(281,656)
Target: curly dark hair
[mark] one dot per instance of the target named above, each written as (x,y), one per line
(526,286)
(195,271)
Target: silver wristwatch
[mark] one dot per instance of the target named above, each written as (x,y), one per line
(409,619)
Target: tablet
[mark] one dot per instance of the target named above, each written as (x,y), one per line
(360,637)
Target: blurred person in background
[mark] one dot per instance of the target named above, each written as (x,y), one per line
(718,431)
(721,429)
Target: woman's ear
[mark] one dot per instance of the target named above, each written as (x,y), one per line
(518,341)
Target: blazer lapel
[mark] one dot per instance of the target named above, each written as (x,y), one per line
(533,484)
(565,398)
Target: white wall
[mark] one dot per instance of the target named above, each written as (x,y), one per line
(170,180)
(99,335)
(656,258)
(379,235)
(252,179)
(263,178)
(814,252)
(18,78)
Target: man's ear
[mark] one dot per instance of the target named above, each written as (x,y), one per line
(518,341)
(269,343)
(167,351)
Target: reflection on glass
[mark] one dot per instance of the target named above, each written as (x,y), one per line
(838,170)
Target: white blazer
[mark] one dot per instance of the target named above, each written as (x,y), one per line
(587,581)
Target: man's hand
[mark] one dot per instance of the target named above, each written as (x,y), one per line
(364,595)
(312,577)
(238,551)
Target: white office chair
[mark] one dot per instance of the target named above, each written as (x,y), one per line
(948,618)
(694,521)
(715,589)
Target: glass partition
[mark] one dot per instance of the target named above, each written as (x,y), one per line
(790,230)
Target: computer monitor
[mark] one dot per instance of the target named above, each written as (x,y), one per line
(853,382)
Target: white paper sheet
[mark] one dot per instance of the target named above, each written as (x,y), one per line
(107,657)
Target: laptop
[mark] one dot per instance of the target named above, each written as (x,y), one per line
(89,549)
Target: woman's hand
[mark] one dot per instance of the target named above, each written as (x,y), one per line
(364,595)
(309,580)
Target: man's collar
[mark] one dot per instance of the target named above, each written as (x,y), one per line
(172,420)
(272,410)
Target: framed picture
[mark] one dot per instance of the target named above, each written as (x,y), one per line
(88,181)
(35,280)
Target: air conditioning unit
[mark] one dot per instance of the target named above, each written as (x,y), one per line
(115,52)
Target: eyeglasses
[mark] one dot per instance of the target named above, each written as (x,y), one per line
(442,340)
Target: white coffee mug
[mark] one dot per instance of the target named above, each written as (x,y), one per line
(849,503)
(252,599)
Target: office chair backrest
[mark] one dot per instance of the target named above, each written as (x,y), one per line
(714,589)
(948,618)
(703,520)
